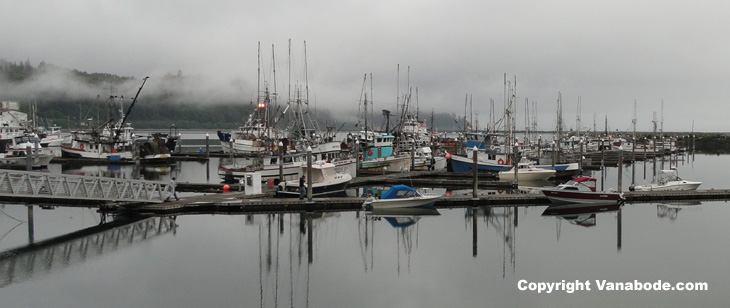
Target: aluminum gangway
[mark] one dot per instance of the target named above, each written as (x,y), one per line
(33,186)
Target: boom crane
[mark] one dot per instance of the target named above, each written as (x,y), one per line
(124,119)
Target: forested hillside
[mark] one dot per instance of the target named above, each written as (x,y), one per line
(71,98)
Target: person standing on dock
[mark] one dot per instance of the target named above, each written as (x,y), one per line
(302,189)
(172,188)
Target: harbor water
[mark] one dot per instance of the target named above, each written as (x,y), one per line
(466,257)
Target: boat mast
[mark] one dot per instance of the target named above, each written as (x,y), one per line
(560,124)
(466,100)
(633,121)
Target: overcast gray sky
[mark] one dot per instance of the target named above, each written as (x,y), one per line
(610,53)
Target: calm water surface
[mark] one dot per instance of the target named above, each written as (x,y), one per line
(467,257)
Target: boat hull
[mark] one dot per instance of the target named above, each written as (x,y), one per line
(683,185)
(465,164)
(562,197)
(232,175)
(69,152)
(421,201)
(527,175)
(40,161)
(322,190)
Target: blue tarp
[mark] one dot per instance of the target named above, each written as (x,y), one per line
(392,193)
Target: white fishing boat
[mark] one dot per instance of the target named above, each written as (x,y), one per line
(52,136)
(13,123)
(668,180)
(17,153)
(401,196)
(325,182)
(104,143)
(110,141)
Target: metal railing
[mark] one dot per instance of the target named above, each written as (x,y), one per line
(49,187)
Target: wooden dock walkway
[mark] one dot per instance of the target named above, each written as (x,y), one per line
(237,202)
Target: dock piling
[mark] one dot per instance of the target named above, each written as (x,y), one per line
(475,170)
(309,174)
(28,159)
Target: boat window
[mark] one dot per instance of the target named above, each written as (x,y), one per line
(406,194)
(571,188)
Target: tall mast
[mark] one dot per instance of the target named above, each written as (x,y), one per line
(397,86)
(372,96)
(662,123)
(560,121)
(633,121)
(466,100)
(527,119)
(577,116)
(471,112)
(266,108)
(288,94)
(306,74)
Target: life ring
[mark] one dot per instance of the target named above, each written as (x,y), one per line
(370,152)
(500,161)
(81,147)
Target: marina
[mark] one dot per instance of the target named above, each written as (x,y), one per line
(485,220)
(364,154)
(138,187)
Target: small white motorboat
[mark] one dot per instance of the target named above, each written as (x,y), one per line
(401,196)
(668,180)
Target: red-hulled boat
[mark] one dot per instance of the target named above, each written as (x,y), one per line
(581,190)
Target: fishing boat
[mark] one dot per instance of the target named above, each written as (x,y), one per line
(379,156)
(486,162)
(157,148)
(267,165)
(17,156)
(325,182)
(110,141)
(581,190)
(424,159)
(52,136)
(13,123)
(401,196)
(668,180)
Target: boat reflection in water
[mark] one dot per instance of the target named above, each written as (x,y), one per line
(402,217)
(405,223)
(671,209)
(580,214)
(131,171)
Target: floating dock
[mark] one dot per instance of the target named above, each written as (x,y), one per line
(237,202)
